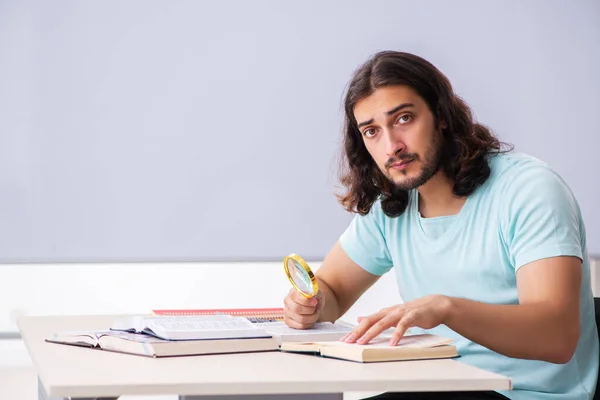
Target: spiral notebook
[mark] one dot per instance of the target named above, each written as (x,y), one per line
(253,314)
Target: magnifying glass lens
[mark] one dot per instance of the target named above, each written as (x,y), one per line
(300,275)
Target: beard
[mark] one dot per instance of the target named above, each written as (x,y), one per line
(430,165)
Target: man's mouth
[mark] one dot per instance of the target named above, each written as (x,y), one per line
(399,165)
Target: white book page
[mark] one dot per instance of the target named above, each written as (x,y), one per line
(280,328)
(204,324)
(410,341)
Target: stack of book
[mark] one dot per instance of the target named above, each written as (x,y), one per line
(169,333)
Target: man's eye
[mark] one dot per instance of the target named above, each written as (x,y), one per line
(404,118)
(369,132)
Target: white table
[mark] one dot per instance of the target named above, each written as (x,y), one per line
(81,373)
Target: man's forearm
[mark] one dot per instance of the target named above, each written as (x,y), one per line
(519,331)
(331,309)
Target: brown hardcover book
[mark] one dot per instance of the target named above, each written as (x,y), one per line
(413,347)
(146,345)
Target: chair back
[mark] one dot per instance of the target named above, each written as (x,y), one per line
(597,312)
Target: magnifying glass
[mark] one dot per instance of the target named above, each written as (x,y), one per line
(300,275)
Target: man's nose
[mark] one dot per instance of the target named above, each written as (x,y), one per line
(393,144)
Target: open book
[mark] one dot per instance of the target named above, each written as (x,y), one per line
(159,336)
(191,327)
(413,347)
(321,331)
(226,326)
(145,345)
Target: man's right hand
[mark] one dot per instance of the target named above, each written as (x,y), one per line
(300,312)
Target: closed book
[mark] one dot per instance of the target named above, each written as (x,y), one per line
(150,346)
(413,347)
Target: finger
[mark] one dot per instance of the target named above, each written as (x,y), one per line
(408,320)
(377,328)
(298,307)
(343,338)
(304,319)
(292,323)
(310,300)
(364,325)
(304,301)
(320,300)
(303,315)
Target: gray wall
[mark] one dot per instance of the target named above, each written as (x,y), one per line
(197,130)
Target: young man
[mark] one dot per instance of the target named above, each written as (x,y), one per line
(488,246)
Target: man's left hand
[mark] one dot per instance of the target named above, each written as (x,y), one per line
(426,312)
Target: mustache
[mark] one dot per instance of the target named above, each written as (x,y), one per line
(401,157)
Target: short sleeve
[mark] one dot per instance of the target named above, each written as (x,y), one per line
(364,242)
(542,218)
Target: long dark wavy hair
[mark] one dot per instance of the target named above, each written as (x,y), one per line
(466,145)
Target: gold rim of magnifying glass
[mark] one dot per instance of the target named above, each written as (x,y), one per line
(313,280)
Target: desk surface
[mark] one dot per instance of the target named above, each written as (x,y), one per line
(81,372)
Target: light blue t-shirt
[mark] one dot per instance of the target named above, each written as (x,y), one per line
(522,213)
